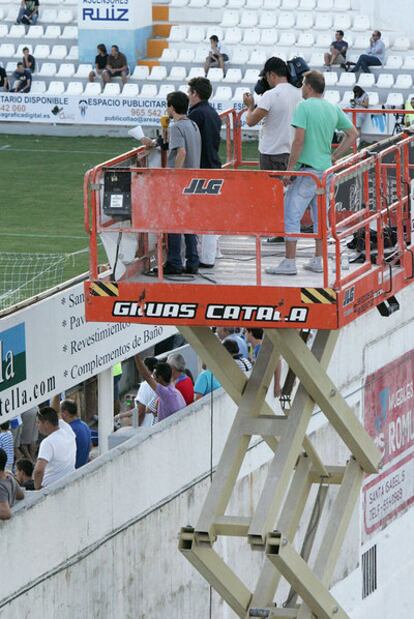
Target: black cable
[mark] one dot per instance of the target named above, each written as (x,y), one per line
(118,243)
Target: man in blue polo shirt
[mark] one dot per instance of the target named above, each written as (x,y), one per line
(69,412)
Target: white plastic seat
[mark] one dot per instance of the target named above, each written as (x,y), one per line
(177,74)
(165,90)
(216,4)
(330,78)
(238,94)
(403,82)
(195,72)
(401,44)
(66,69)
(316,60)
(287,39)
(306,39)
(48,16)
(409,63)
(324,5)
(346,98)
(70,32)
(73,53)
(250,77)
(373,99)
(248,19)
(56,88)
(196,34)
(342,5)
(38,87)
(92,89)
(59,52)
(235,4)
(16,32)
(268,37)
(304,21)
(187,55)
(178,4)
(2,14)
(346,80)
(178,34)
(169,54)
(199,56)
(215,75)
(48,69)
(395,99)
(4,29)
(286,21)
(366,80)
(197,4)
(64,16)
(158,73)
(83,70)
(233,36)
(52,32)
(393,62)
(307,5)
(267,19)
(149,90)
(251,36)
(254,4)
(130,90)
(271,4)
(324,40)
(112,89)
(332,96)
(323,22)
(183,88)
(289,5)
(233,76)
(141,72)
(385,80)
(7,50)
(74,88)
(41,51)
(10,66)
(342,21)
(257,57)
(361,41)
(35,32)
(223,93)
(11,14)
(361,24)
(217,30)
(230,19)
(240,54)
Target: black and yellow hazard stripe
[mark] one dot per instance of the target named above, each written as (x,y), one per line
(318,295)
(104,289)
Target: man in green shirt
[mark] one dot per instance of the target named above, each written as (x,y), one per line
(315,121)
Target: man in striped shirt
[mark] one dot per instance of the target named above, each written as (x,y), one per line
(7,443)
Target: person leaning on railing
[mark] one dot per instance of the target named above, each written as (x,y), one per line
(10,491)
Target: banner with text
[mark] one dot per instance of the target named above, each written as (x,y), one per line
(49,347)
(389,419)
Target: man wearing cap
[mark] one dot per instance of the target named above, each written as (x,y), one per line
(275,109)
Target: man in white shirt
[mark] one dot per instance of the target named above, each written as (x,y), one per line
(57,451)
(275,109)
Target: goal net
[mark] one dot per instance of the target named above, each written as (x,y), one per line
(25,275)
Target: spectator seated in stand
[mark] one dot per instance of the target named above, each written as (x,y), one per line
(28,60)
(10,492)
(170,400)
(116,66)
(28,12)
(7,443)
(409,118)
(101,61)
(206,383)
(69,413)
(145,402)
(4,82)
(24,473)
(57,451)
(373,57)
(337,51)
(181,380)
(217,56)
(243,362)
(22,79)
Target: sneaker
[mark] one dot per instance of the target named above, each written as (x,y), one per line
(286,267)
(204,265)
(191,269)
(168,269)
(314,265)
(275,239)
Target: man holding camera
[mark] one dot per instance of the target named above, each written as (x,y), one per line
(275,108)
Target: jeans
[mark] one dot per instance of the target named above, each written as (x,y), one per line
(299,195)
(364,62)
(33,19)
(174,250)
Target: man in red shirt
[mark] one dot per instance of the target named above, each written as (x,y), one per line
(181,380)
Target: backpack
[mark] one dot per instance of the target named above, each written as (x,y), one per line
(297,67)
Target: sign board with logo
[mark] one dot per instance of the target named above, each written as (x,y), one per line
(49,347)
(389,419)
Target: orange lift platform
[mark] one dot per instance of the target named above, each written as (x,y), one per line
(132,208)
(364,201)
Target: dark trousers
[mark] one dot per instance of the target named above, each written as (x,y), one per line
(364,62)
(274,162)
(174,250)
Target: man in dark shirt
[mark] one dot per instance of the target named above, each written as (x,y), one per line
(69,413)
(101,60)
(4,84)
(209,123)
(22,79)
(337,51)
(28,60)
(116,66)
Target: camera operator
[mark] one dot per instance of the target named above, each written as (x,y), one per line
(275,109)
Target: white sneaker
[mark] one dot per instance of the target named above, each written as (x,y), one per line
(286,267)
(314,265)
